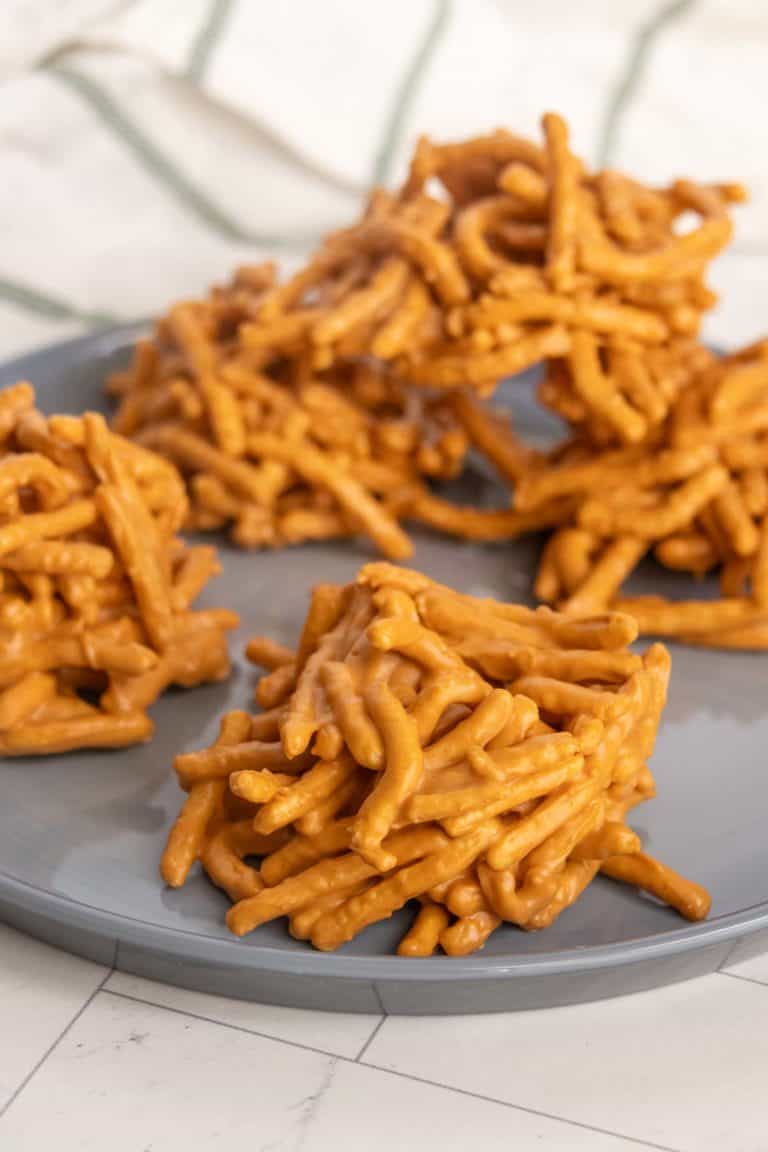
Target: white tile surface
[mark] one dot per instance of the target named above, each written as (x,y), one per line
(133,1078)
(40,992)
(377,1112)
(682,1067)
(130,1077)
(342,1034)
(754,969)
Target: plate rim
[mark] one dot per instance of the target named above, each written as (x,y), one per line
(227,953)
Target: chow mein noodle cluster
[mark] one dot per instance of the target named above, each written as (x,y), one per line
(280,454)
(420,745)
(695,494)
(96,588)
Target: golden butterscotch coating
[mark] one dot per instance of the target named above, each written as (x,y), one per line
(96,589)
(500,252)
(319,406)
(422,745)
(694,494)
(270,447)
(325,405)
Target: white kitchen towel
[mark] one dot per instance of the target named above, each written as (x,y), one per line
(148,146)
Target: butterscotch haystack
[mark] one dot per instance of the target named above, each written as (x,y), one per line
(324,405)
(310,408)
(695,494)
(279,453)
(496,251)
(95,587)
(420,745)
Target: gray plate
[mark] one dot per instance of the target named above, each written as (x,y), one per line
(81,834)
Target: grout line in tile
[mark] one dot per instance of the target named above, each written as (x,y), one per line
(522,1108)
(86,1003)
(356,1060)
(226,1024)
(369,1041)
(377,994)
(745,979)
(726,961)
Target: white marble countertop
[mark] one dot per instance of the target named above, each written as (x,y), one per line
(93,1060)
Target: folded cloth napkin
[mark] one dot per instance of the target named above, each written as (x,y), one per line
(148,146)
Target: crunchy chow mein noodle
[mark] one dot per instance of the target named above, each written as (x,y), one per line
(96,588)
(694,495)
(497,253)
(475,758)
